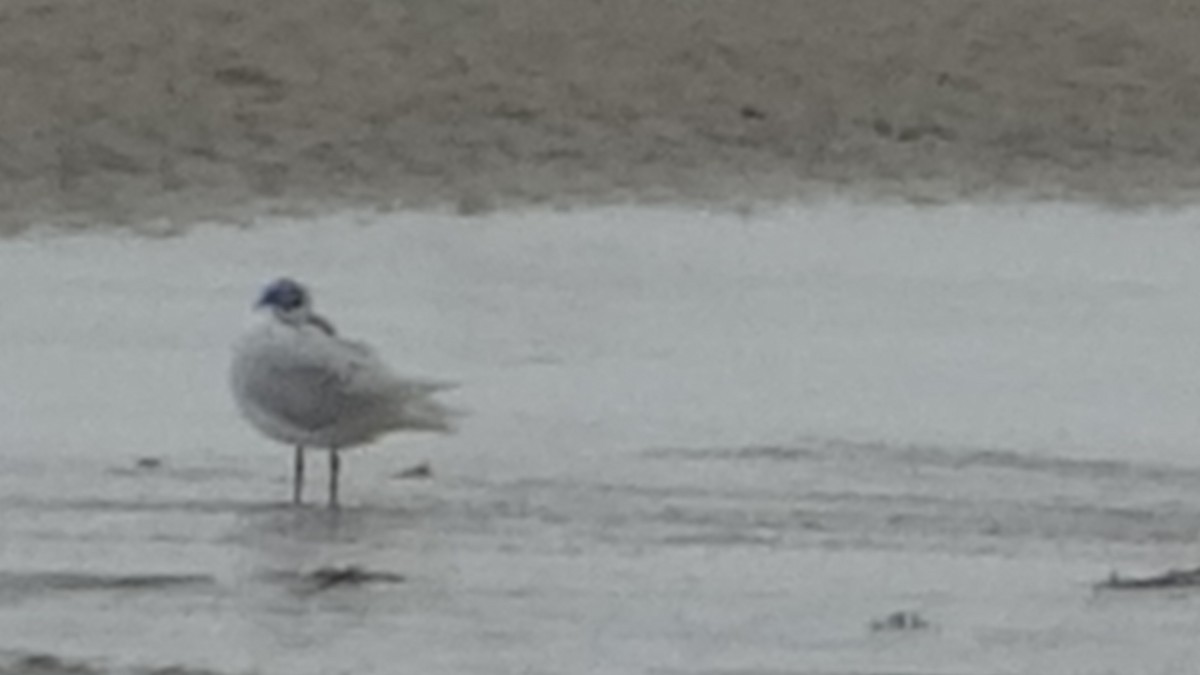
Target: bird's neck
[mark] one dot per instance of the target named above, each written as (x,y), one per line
(321,323)
(303,317)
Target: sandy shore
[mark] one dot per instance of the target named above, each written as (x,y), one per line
(130,109)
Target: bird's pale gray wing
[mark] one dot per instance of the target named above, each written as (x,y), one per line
(373,369)
(312,389)
(411,386)
(371,373)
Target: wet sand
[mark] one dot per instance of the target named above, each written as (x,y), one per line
(698,444)
(133,109)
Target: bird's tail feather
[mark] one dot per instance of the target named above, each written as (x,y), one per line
(426,414)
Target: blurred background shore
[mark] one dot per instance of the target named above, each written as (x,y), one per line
(129,110)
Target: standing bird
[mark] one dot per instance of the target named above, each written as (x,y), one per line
(299,383)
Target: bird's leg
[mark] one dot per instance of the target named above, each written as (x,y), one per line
(298,477)
(335,466)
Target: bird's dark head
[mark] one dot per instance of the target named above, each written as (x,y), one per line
(285,296)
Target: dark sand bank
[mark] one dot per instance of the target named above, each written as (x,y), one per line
(126,109)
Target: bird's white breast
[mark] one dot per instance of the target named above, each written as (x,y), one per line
(256,382)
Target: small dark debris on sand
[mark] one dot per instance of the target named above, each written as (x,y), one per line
(325,578)
(1170,579)
(70,581)
(328,577)
(149,581)
(48,664)
(419,472)
(175,670)
(140,466)
(45,664)
(899,621)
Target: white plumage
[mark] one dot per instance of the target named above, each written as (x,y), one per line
(299,383)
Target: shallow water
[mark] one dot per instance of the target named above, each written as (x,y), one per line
(699,444)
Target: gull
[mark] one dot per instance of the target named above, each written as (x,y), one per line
(298,382)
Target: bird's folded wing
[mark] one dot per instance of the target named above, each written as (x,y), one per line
(314,386)
(406,385)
